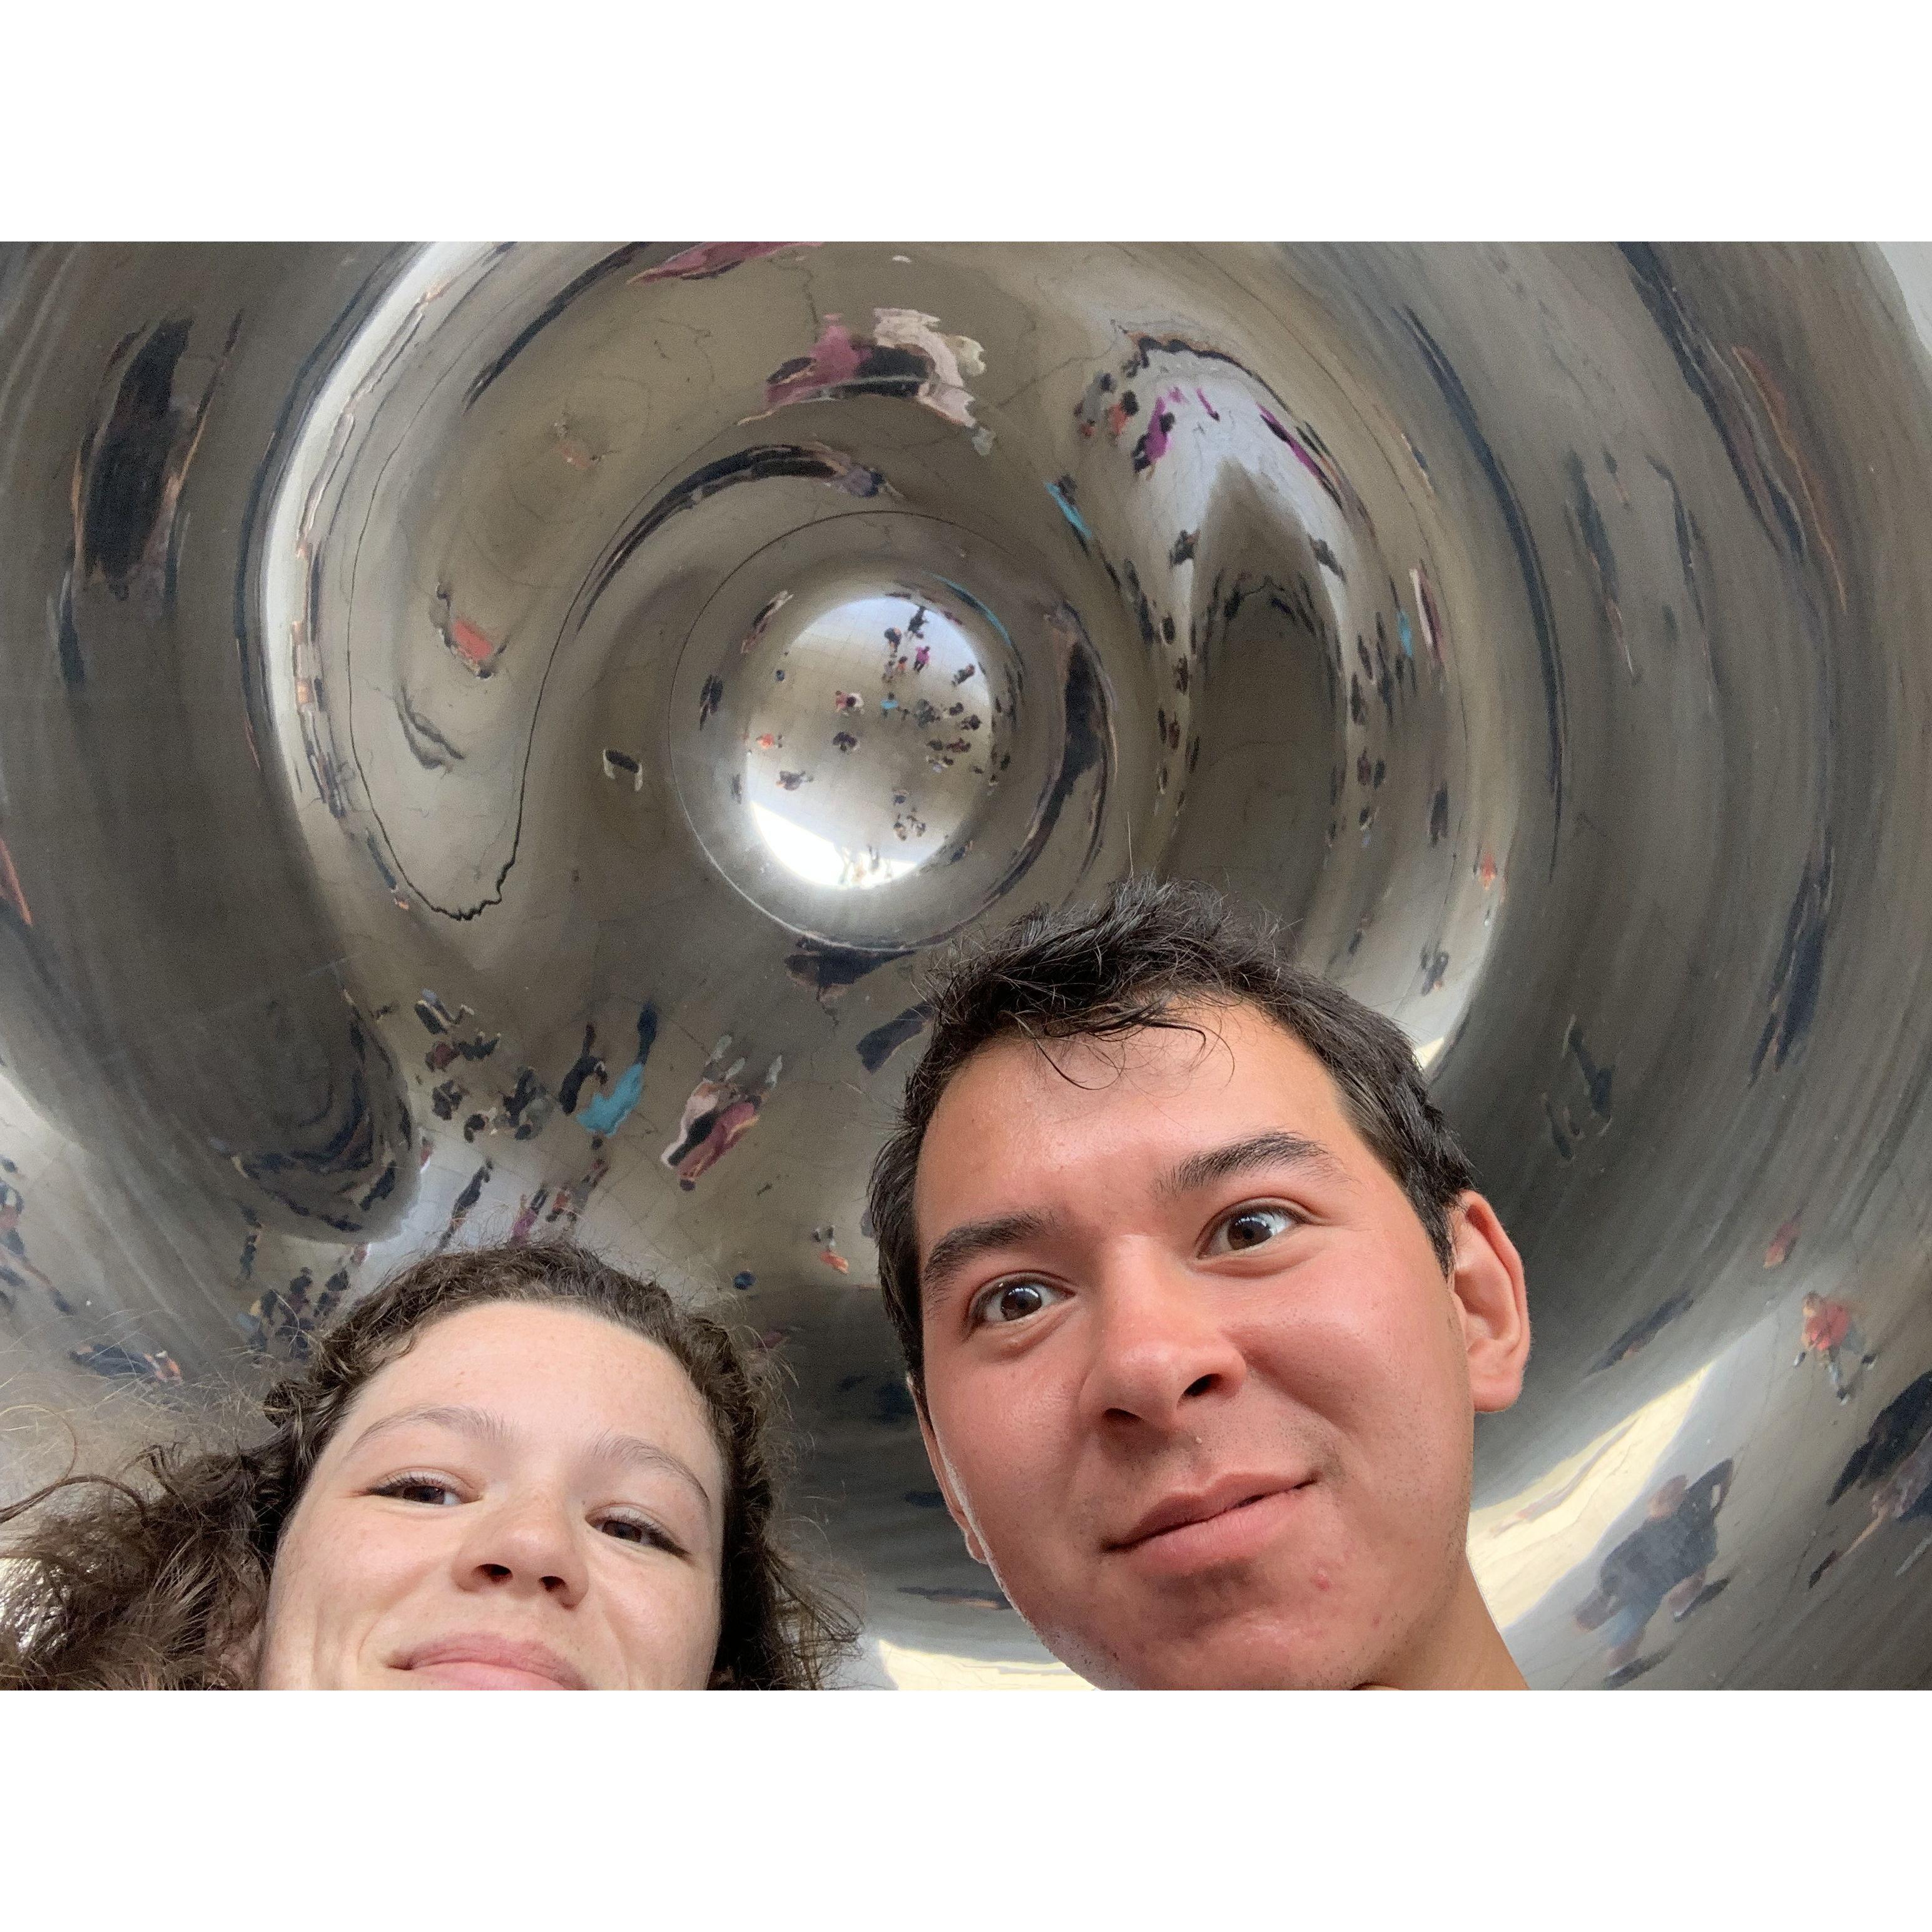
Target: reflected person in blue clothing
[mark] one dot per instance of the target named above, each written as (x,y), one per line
(603,1114)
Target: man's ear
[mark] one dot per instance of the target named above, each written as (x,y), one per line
(943,1475)
(1492,1304)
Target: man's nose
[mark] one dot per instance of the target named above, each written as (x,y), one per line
(528,1544)
(1160,1346)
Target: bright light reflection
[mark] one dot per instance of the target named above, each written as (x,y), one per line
(818,861)
(933,1670)
(1521,1548)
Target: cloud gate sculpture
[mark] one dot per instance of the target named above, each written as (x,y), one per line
(491,734)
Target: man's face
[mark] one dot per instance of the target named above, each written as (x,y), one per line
(1197,1387)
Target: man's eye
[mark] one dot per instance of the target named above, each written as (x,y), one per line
(1007,1302)
(1250,1228)
(418,1489)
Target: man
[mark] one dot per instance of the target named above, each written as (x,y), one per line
(1198,1306)
(1664,1560)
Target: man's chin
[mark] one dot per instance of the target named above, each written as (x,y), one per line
(1251,1671)
(1274,1656)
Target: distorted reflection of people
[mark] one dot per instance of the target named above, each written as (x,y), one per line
(1199,1305)
(1664,1561)
(508,1468)
(605,1111)
(1894,1464)
(17,1270)
(717,1114)
(1832,1332)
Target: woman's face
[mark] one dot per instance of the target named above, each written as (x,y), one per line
(528,1498)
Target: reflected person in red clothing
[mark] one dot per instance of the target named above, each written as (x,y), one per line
(1832,1331)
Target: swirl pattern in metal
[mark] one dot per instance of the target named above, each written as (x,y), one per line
(490,731)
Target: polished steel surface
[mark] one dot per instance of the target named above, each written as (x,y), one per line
(489,733)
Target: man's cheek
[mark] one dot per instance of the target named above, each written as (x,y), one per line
(1015,1521)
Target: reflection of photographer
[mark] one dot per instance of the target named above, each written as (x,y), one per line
(1663,1560)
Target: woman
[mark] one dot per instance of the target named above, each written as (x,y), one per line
(510,1468)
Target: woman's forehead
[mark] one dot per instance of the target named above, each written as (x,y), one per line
(569,1366)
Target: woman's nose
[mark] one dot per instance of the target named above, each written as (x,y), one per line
(525,1544)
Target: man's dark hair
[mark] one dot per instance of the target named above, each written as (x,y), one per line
(1103,972)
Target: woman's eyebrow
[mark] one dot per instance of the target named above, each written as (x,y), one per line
(634,1449)
(1277,1147)
(467,1421)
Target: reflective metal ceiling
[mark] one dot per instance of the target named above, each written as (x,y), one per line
(489,733)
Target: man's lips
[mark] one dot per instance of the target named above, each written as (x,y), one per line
(1204,1506)
(476,1662)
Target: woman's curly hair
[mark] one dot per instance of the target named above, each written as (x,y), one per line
(160,1582)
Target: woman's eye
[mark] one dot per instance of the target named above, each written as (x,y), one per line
(1007,1302)
(418,1489)
(1250,1228)
(628,1529)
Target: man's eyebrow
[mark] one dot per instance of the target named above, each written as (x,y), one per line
(959,1246)
(1277,1147)
(614,1448)
(467,1421)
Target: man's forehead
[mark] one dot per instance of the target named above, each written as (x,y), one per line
(1192,1046)
(1214,1071)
